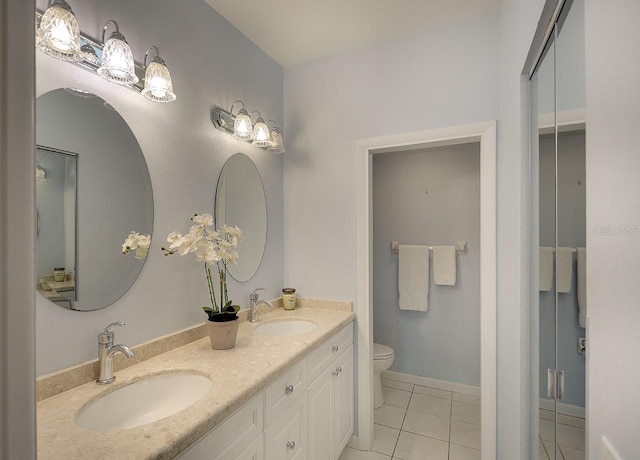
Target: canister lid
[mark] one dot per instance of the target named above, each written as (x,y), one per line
(288,290)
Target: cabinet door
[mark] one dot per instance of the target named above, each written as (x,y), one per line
(287,434)
(320,424)
(342,401)
(255,451)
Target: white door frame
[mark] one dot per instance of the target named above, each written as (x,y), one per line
(485,133)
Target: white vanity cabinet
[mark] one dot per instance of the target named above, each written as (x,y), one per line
(292,419)
(330,396)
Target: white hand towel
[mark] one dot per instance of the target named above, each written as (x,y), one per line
(564,268)
(444,265)
(546,268)
(582,287)
(413,277)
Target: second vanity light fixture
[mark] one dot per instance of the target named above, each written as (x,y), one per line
(240,127)
(59,36)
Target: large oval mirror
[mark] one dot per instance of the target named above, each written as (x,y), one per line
(92,189)
(240,201)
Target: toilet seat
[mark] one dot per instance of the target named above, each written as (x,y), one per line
(382,351)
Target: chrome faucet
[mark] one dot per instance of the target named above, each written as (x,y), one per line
(255,303)
(106,350)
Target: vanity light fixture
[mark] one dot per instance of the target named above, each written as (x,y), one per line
(157,80)
(277,143)
(59,33)
(261,136)
(89,54)
(240,127)
(117,59)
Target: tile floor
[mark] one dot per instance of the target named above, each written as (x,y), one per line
(571,437)
(422,423)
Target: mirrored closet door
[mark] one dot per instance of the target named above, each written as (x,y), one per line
(559,217)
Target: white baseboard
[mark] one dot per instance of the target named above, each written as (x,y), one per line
(563,408)
(433,383)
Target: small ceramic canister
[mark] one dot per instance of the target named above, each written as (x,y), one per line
(289,298)
(58,274)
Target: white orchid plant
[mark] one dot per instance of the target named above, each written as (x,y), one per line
(213,247)
(137,242)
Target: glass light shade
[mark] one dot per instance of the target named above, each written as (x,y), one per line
(261,136)
(277,143)
(117,61)
(89,54)
(242,126)
(59,33)
(157,83)
(41,174)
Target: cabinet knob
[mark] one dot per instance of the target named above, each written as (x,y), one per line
(336,372)
(291,445)
(288,390)
(335,348)
(340,370)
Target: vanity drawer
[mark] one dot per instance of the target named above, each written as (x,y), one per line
(281,393)
(229,439)
(329,351)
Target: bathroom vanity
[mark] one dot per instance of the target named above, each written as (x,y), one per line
(272,397)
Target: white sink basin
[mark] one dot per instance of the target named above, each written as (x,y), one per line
(143,402)
(285,327)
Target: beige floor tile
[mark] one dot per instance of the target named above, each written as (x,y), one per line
(572,454)
(571,436)
(572,421)
(465,434)
(390,416)
(548,445)
(469,399)
(427,425)
(430,405)
(415,447)
(542,452)
(398,385)
(395,397)
(547,414)
(384,439)
(463,453)
(547,430)
(432,392)
(465,412)
(353,454)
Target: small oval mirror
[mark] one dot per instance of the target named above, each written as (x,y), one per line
(240,201)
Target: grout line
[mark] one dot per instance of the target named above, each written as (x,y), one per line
(450,422)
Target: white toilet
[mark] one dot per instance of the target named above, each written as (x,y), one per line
(382,360)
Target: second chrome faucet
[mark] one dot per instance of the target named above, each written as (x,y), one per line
(106,350)
(255,303)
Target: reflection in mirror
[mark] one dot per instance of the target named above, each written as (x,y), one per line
(240,201)
(82,235)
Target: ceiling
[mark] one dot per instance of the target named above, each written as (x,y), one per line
(295,31)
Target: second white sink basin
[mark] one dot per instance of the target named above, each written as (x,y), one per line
(285,327)
(143,402)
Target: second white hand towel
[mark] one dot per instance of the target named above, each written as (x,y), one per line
(564,269)
(413,277)
(444,265)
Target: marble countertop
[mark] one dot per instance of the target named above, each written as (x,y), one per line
(237,375)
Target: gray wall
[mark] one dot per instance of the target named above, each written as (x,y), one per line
(571,233)
(444,342)
(613,72)
(210,63)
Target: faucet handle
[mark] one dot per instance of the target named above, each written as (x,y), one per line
(254,295)
(107,335)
